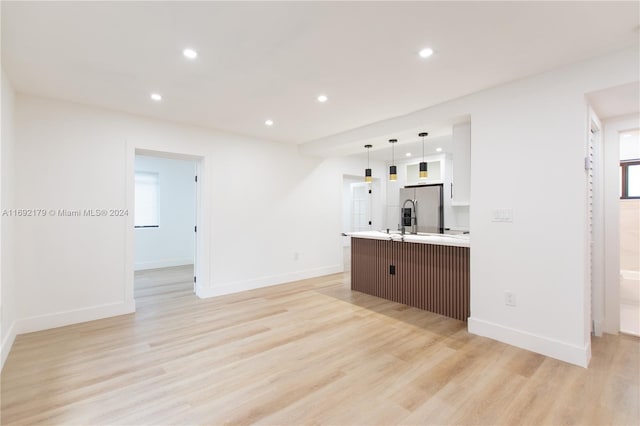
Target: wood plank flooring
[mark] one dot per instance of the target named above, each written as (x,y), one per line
(308,352)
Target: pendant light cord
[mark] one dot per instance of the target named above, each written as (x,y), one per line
(393,157)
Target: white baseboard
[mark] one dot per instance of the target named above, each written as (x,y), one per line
(630,275)
(552,348)
(238,286)
(7,343)
(60,319)
(155,264)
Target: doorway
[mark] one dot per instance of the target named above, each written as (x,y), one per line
(617,108)
(614,233)
(165,218)
(360,207)
(630,232)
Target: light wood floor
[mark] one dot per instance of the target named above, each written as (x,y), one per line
(309,352)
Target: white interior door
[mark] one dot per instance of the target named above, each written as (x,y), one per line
(361,207)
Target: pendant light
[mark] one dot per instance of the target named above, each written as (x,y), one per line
(367,171)
(424,173)
(393,173)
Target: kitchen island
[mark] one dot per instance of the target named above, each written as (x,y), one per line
(426,271)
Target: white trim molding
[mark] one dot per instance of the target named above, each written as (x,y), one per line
(60,319)
(238,286)
(626,274)
(7,343)
(543,345)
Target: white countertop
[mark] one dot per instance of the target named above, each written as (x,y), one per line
(439,239)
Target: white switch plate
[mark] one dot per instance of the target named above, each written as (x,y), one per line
(502,215)
(509,298)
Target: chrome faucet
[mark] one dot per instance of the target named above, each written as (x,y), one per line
(413,218)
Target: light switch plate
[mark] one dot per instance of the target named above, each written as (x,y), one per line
(509,298)
(502,215)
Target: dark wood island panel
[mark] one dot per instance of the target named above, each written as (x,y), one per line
(427,276)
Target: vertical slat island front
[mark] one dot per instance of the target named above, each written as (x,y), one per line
(433,277)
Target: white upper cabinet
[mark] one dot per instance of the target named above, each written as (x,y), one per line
(461,186)
(436,172)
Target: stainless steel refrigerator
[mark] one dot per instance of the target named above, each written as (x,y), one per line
(424,211)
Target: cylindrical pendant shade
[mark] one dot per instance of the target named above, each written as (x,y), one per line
(423,170)
(393,174)
(367,176)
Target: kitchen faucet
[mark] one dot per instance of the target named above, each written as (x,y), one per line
(413,219)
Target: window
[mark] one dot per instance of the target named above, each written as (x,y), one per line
(630,164)
(146,201)
(630,178)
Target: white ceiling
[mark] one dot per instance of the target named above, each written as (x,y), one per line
(260,60)
(616,101)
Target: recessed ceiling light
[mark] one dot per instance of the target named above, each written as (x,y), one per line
(438,149)
(156,97)
(323,98)
(190,53)
(426,52)
(268,123)
(408,154)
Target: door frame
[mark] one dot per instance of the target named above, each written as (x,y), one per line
(375,216)
(202,210)
(595,238)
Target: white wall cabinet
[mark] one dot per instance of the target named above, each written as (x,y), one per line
(436,172)
(461,178)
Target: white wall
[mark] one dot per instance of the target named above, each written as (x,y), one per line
(173,242)
(528,149)
(265,203)
(630,146)
(528,146)
(7,280)
(527,154)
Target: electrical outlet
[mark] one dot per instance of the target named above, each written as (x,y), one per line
(509,298)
